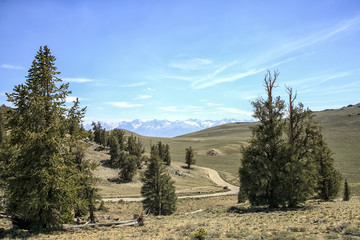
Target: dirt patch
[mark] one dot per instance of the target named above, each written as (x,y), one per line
(210,153)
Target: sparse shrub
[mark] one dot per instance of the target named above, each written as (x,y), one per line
(200,234)
(102,207)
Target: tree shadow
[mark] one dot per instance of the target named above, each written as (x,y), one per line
(245,210)
(106,163)
(118,180)
(185,167)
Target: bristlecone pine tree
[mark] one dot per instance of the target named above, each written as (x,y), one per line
(158,189)
(43,189)
(189,157)
(287,161)
(265,159)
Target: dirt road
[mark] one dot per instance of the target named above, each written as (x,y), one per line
(213,176)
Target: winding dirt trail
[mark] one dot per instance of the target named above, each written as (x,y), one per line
(213,176)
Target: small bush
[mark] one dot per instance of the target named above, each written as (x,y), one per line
(200,234)
(102,207)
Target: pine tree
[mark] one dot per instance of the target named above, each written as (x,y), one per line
(301,172)
(161,149)
(189,157)
(120,136)
(266,157)
(347,192)
(128,167)
(287,160)
(329,179)
(158,189)
(42,190)
(167,156)
(114,151)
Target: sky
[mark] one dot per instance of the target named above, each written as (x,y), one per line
(179,60)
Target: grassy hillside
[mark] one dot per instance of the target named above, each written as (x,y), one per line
(341,130)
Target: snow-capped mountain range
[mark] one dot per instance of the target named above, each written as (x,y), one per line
(164,128)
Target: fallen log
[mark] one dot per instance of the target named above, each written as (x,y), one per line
(124,223)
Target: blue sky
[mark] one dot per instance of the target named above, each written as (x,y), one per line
(177,60)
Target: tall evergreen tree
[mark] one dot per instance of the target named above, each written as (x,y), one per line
(42,190)
(114,151)
(329,179)
(189,157)
(158,189)
(120,136)
(167,156)
(161,149)
(301,171)
(266,157)
(287,160)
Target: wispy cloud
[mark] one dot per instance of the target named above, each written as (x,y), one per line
(78,80)
(211,81)
(210,104)
(125,104)
(183,78)
(315,80)
(138,84)
(169,109)
(191,64)
(336,31)
(258,65)
(9,66)
(142,97)
(236,111)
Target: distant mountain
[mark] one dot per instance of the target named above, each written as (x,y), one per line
(164,128)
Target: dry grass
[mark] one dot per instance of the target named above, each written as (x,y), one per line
(222,218)
(187,181)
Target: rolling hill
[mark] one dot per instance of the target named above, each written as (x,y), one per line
(219,147)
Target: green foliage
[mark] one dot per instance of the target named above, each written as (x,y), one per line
(301,132)
(127,159)
(347,191)
(329,179)
(286,160)
(75,114)
(120,137)
(265,159)
(114,151)
(189,157)
(100,135)
(134,146)
(167,156)
(128,167)
(46,172)
(164,152)
(200,234)
(158,189)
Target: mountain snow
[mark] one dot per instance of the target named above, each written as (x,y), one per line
(164,128)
